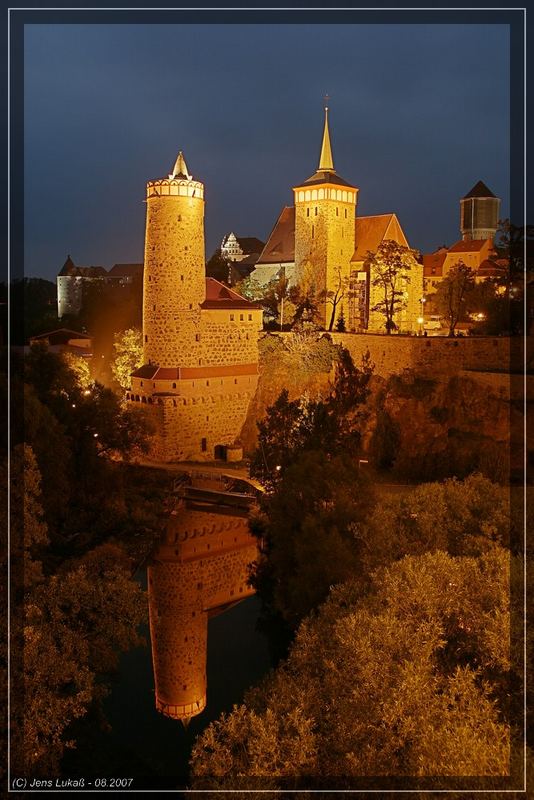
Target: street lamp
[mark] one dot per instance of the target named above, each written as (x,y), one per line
(421,319)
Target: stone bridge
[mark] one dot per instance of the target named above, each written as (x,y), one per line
(199,569)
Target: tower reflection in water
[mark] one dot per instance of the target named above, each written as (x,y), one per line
(199,569)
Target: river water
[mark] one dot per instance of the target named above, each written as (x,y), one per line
(158,747)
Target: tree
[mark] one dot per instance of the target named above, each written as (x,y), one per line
(340,324)
(80,368)
(452,293)
(463,518)
(335,296)
(307,529)
(217,266)
(398,682)
(330,425)
(389,267)
(127,355)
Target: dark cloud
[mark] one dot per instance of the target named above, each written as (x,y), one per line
(419,113)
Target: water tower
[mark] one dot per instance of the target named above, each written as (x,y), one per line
(479,213)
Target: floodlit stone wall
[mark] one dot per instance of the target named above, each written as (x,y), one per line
(201,415)
(201,566)
(393,354)
(174,274)
(230,336)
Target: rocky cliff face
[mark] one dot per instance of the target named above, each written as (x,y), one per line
(418,426)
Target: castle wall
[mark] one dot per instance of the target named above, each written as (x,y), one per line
(393,354)
(230,336)
(200,415)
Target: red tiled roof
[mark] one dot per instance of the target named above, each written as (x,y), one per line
(491,269)
(220,296)
(468,246)
(433,263)
(280,245)
(155,373)
(369,233)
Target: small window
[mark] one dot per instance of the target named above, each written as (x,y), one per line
(307,212)
(250,317)
(141,383)
(179,218)
(204,445)
(197,337)
(337,212)
(153,308)
(174,386)
(235,380)
(241,317)
(199,362)
(186,247)
(190,305)
(231,317)
(315,210)
(207,383)
(181,277)
(313,231)
(345,213)
(146,338)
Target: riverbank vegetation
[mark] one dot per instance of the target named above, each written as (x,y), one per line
(82,519)
(396,617)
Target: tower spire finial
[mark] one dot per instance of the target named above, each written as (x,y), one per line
(326,162)
(180,168)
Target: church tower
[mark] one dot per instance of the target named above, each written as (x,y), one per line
(174,275)
(325,211)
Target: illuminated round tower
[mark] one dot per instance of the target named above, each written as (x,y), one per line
(174,273)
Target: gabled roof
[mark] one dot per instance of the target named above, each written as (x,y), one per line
(59,336)
(280,245)
(249,244)
(70,268)
(126,270)
(491,269)
(369,233)
(220,296)
(468,246)
(479,190)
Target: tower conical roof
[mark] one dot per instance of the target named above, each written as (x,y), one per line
(180,168)
(325,171)
(479,190)
(326,162)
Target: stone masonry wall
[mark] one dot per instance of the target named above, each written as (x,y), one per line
(174,279)
(230,336)
(330,248)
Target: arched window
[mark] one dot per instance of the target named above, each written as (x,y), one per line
(314,194)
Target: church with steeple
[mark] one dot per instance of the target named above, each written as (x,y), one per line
(320,244)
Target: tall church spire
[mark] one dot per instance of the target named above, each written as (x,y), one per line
(326,162)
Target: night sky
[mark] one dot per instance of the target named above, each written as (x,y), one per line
(418,114)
